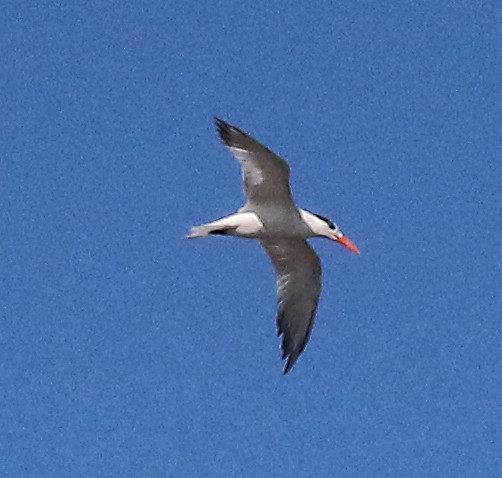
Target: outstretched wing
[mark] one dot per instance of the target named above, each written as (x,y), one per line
(266,175)
(298,286)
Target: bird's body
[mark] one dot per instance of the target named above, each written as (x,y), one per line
(272,217)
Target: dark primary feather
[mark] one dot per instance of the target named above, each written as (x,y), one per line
(290,349)
(228,133)
(234,137)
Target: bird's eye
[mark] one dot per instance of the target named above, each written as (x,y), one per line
(332,226)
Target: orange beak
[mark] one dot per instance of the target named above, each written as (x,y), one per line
(345,241)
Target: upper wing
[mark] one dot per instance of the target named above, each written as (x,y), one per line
(266,175)
(299,287)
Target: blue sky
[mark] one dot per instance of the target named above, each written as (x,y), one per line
(128,351)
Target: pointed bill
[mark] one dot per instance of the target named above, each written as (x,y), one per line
(345,241)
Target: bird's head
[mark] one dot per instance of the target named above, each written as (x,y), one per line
(323,227)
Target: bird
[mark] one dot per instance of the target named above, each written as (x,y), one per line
(271,216)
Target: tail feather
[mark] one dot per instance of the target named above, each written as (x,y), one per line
(198,231)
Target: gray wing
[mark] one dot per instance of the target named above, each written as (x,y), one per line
(298,287)
(266,175)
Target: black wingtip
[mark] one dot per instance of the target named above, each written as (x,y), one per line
(231,135)
(289,364)
(223,129)
(219,122)
(290,352)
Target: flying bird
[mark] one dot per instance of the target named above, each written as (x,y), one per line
(272,217)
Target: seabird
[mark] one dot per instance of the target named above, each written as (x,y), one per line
(271,216)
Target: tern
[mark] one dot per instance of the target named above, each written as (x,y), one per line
(272,217)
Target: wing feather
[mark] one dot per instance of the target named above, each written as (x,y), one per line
(298,287)
(265,175)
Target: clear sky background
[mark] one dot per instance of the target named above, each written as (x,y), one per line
(126,350)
